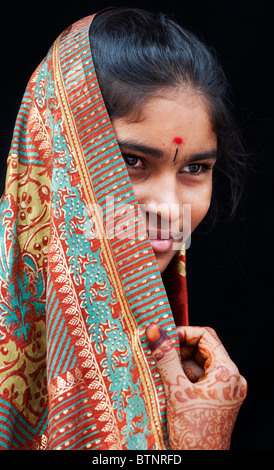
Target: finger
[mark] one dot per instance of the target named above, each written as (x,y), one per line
(209,346)
(165,354)
(212,349)
(189,339)
(190,335)
(192,370)
(243,387)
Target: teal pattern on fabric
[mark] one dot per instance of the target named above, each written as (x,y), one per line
(18,430)
(18,308)
(74,230)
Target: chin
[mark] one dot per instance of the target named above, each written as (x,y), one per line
(163,260)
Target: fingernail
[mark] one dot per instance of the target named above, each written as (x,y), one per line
(153,333)
(155,336)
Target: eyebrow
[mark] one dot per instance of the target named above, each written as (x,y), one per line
(209,154)
(138,147)
(157,153)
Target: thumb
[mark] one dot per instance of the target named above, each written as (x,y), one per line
(165,355)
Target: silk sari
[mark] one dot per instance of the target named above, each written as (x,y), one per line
(76,371)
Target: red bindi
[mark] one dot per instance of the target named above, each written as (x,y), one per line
(178,140)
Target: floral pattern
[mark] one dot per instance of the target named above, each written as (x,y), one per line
(76,371)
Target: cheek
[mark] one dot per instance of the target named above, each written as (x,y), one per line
(199,197)
(199,206)
(139,192)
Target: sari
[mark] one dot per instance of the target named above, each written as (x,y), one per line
(76,371)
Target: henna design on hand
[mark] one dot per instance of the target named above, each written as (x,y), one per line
(205,395)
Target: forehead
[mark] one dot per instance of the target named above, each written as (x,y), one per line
(165,121)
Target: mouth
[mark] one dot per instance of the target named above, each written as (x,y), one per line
(161,242)
(161,246)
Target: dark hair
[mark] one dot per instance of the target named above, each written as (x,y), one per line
(139,54)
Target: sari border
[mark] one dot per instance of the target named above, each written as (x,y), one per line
(71,130)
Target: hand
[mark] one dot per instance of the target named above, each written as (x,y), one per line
(204,392)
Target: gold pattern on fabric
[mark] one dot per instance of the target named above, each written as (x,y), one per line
(148,385)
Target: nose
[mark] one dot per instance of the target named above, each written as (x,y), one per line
(162,208)
(164,200)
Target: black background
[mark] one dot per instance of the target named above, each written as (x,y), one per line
(230,270)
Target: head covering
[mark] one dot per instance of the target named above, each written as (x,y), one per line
(76,371)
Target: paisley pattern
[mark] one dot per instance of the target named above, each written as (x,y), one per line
(76,371)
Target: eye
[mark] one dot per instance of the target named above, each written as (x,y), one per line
(193,167)
(196,168)
(132,160)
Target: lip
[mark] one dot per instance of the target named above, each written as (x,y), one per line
(161,246)
(161,241)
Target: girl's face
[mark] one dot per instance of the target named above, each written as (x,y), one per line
(169,152)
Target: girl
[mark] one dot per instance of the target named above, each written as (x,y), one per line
(116,139)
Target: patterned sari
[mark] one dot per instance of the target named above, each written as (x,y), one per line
(76,371)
